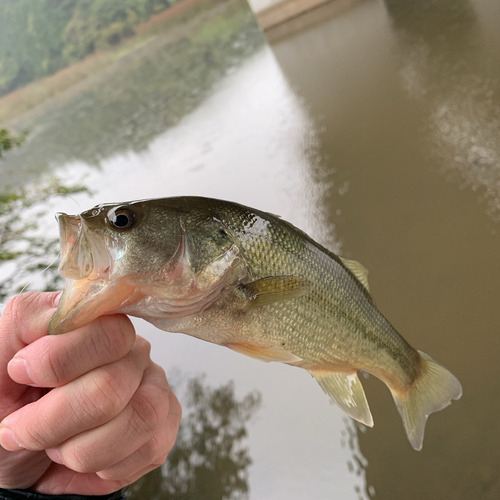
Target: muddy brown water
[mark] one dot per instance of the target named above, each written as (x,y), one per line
(407,98)
(376,130)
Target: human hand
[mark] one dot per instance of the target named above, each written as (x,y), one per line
(88,411)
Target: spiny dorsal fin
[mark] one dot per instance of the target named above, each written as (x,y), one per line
(346,390)
(358,270)
(273,289)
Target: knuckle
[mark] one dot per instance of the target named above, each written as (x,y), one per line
(101,399)
(116,335)
(36,440)
(147,415)
(16,308)
(152,451)
(143,347)
(160,461)
(175,408)
(79,459)
(50,367)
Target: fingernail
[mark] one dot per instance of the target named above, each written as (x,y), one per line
(18,370)
(53,454)
(8,441)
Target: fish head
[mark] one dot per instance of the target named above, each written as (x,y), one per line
(104,251)
(116,255)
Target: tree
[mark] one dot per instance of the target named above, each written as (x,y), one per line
(208,461)
(39,38)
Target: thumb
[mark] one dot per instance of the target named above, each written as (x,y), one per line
(24,320)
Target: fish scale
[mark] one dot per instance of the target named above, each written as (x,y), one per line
(247,280)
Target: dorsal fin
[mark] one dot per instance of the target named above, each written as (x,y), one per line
(358,270)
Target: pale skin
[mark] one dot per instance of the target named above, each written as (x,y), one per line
(86,412)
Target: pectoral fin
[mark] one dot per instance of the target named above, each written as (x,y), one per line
(273,289)
(347,392)
(265,354)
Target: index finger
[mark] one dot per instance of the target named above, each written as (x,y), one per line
(55,360)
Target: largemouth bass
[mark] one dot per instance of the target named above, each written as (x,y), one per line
(247,280)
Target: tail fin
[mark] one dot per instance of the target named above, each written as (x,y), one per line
(432,391)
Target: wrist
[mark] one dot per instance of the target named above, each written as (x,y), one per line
(6,494)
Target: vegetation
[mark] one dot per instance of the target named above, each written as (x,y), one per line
(9,141)
(39,38)
(120,110)
(145,92)
(24,250)
(172,23)
(208,461)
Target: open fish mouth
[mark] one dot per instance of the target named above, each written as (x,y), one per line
(84,254)
(87,260)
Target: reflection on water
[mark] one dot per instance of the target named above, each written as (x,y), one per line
(251,140)
(447,67)
(28,249)
(124,107)
(345,130)
(401,93)
(208,461)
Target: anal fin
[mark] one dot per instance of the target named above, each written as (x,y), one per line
(346,391)
(265,354)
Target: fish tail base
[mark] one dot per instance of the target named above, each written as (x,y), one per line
(431,392)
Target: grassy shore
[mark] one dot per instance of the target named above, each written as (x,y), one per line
(33,94)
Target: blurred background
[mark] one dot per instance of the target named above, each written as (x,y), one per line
(373,125)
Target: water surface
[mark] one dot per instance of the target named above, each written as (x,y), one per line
(245,136)
(406,97)
(376,131)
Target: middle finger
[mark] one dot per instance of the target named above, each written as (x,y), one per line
(85,403)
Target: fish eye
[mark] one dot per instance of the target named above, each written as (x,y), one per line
(121,218)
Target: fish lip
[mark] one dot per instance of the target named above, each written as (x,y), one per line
(83,253)
(87,263)
(76,254)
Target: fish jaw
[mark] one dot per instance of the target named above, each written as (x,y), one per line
(85,300)
(87,263)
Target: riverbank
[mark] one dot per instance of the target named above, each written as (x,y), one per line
(163,28)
